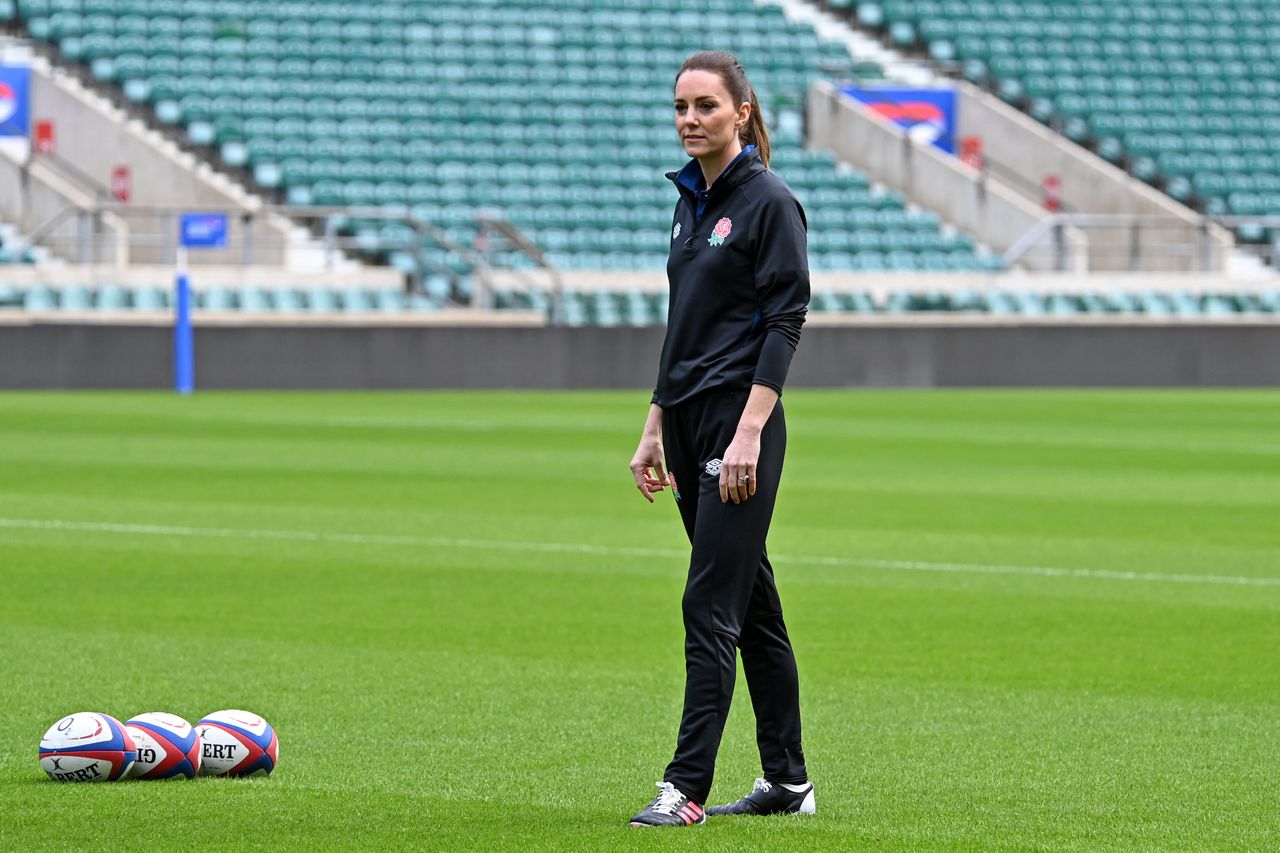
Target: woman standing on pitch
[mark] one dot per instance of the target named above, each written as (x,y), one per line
(739,277)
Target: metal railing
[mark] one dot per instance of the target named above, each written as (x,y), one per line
(497,234)
(1267,249)
(1119,242)
(273,235)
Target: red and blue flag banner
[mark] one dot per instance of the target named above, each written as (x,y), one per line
(929,115)
(15,101)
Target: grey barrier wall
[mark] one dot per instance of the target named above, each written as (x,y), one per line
(994,213)
(941,354)
(1023,146)
(1157,234)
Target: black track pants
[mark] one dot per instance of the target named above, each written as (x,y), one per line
(730,600)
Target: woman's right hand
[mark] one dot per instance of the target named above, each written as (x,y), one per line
(647,467)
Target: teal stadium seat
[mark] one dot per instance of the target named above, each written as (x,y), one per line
(76,297)
(255,300)
(113,297)
(391,301)
(217,298)
(323,300)
(151,299)
(357,300)
(41,298)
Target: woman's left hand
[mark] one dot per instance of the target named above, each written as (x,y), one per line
(738,470)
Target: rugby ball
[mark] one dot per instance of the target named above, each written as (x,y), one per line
(168,747)
(237,743)
(87,747)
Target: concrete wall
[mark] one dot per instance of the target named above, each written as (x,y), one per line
(97,137)
(991,211)
(1090,184)
(921,355)
(1170,237)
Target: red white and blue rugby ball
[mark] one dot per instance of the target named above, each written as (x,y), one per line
(237,743)
(168,746)
(87,747)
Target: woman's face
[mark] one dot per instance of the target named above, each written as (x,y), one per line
(707,119)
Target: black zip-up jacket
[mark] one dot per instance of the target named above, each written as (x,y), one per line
(739,279)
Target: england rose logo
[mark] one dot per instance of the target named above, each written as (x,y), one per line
(722,229)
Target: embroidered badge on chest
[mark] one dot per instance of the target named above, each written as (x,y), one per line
(675,232)
(722,229)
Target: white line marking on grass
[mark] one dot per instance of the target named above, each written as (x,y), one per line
(609,550)
(1037,571)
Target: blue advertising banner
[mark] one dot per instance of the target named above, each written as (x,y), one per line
(15,101)
(929,115)
(203,231)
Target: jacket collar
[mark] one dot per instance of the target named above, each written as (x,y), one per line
(690,181)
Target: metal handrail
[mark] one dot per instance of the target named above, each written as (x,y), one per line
(46,227)
(1133,246)
(330,214)
(1028,187)
(1264,220)
(491,221)
(76,175)
(330,217)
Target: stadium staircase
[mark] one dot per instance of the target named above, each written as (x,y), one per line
(874,60)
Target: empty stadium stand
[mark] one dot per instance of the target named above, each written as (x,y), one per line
(556,114)
(627,308)
(1184,94)
(221,298)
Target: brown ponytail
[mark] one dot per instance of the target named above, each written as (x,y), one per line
(755,133)
(726,66)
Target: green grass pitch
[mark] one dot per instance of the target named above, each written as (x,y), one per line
(1024,620)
